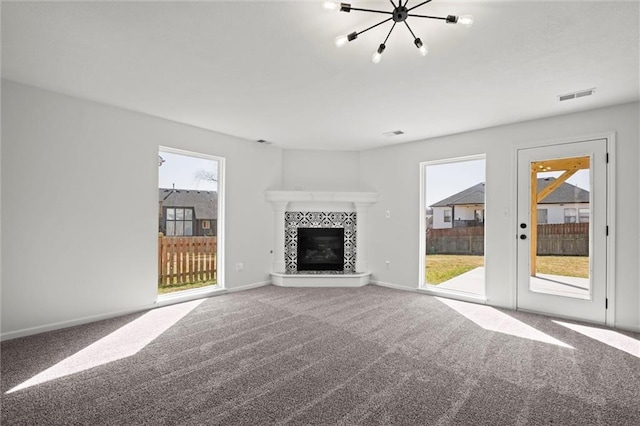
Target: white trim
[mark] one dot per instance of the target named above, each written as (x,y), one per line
(394,286)
(610,138)
(70,323)
(456,295)
(248,286)
(220,273)
(611,223)
(422,227)
(187,295)
(170,299)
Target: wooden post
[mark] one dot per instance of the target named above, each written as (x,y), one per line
(533,222)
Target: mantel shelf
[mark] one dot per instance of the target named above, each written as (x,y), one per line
(321,196)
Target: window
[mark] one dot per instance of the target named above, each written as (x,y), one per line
(179,221)
(542,216)
(583,215)
(570,215)
(447,216)
(452,239)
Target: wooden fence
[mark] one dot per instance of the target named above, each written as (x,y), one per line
(564,239)
(186,260)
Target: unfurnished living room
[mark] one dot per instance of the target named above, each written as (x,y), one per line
(315,212)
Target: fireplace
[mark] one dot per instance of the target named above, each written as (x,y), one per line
(332,225)
(320,249)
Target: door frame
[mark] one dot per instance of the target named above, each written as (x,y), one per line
(610,137)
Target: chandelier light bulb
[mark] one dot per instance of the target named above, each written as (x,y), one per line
(466,20)
(378,54)
(421,47)
(331,5)
(341,40)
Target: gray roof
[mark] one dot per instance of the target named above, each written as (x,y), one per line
(204,203)
(565,193)
(473,195)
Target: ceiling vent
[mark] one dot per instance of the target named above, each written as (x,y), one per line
(394,133)
(578,94)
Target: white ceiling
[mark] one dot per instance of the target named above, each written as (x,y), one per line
(269,70)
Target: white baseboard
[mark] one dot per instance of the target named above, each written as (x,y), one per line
(393,286)
(628,327)
(248,286)
(162,301)
(71,323)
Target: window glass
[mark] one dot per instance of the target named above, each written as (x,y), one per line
(188,214)
(542,216)
(171,214)
(171,228)
(583,215)
(447,215)
(570,215)
(179,214)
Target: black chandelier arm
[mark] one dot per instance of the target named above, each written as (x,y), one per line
(394,5)
(387,38)
(373,26)
(418,5)
(427,16)
(409,28)
(371,10)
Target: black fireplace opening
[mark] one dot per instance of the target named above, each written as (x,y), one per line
(320,249)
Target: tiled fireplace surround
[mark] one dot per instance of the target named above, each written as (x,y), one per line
(320,209)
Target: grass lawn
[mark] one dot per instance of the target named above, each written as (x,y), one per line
(442,267)
(164,289)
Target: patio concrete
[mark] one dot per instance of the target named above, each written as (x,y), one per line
(473,282)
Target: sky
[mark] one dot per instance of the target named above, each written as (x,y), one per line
(444,180)
(182,170)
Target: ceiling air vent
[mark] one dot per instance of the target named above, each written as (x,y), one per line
(578,94)
(394,133)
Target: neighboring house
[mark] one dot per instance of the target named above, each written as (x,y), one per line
(567,204)
(188,212)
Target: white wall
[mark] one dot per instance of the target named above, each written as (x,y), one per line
(321,170)
(79,197)
(397,238)
(555,213)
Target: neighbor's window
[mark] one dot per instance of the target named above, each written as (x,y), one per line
(583,215)
(179,222)
(570,215)
(447,216)
(479,215)
(542,216)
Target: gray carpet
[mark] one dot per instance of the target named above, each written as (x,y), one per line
(365,356)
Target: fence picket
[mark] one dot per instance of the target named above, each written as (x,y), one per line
(186,259)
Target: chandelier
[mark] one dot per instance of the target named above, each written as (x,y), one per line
(399,15)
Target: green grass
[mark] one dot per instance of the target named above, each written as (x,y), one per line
(171,288)
(443,267)
(568,266)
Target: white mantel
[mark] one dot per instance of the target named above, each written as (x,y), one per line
(284,201)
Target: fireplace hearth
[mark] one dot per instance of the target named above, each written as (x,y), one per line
(320,249)
(329,260)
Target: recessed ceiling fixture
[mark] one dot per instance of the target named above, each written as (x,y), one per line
(394,133)
(263,141)
(578,94)
(399,14)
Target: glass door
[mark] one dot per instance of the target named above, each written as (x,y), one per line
(562,230)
